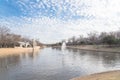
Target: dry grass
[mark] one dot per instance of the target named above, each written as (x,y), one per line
(111,75)
(96,48)
(11,51)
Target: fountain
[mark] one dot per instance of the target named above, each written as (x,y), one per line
(63,46)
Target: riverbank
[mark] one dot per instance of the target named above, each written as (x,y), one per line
(10,51)
(100,48)
(110,75)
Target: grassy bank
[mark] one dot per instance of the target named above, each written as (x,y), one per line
(111,75)
(10,51)
(96,48)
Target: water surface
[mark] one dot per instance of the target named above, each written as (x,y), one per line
(56,64)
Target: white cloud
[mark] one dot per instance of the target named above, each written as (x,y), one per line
(105,13)
(52,30)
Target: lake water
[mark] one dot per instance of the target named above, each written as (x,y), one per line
(56,64)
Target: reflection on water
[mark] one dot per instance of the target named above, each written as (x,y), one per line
(51,64)
(10,63)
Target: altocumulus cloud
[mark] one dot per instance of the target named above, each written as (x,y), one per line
(54,20)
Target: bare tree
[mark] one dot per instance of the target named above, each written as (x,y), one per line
(3,32)
(93,37)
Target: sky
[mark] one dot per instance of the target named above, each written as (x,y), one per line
(55,20)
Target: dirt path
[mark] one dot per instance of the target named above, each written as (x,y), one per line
(111,75)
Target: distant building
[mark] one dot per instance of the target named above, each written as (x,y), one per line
(22,44)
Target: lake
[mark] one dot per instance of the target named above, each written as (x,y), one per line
(56,64)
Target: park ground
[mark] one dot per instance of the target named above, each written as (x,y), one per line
(102,48)
(110,75)
(11,51)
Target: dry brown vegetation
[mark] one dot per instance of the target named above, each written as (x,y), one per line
(11,51)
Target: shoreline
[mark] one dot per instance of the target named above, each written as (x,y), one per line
(96,48)
(11,51)
(109,75)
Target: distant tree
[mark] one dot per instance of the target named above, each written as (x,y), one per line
(109,39)
(3,35)
(117,34)
(93,37)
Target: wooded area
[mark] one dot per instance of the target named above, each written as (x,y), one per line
(8,39)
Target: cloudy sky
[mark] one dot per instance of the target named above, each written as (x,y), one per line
(54,20)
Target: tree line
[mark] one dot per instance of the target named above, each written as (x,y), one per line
(94,38)
(8,39)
